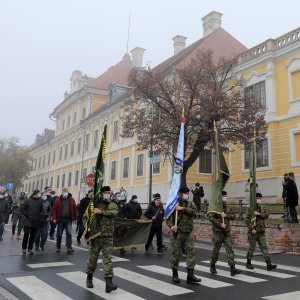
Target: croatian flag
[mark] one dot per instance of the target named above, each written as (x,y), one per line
(176,181)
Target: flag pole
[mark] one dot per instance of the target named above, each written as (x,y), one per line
(254,143)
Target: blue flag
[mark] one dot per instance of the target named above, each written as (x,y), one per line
(176,181)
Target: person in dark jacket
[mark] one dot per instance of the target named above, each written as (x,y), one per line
(155,212)
(42,232)
(4,209)
(133,209)
(84,203)
(64,213)
(292,196)
(197,194)
(10,202)
(52,200)
(31,209)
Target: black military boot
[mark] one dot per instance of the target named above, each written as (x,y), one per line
(191,278)
(89,281)
(249,265)
(213,269)
(175,277)
(234,271)
(110,286)
(270,266)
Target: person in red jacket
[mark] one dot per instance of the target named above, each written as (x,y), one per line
(63,214)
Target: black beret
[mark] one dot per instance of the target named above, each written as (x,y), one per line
(156,196)
(134,197)
(22,194)
(105,188)
(35,192)
(258,195)
(224,193)
(184,189)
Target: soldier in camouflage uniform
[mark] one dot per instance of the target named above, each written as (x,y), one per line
(18,217)
(222,235)
(105,212)
(182,235)
(256,233)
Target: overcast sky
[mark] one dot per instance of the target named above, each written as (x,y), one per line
(42,42)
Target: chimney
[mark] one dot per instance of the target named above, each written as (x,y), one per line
(179,43)
(211,22)
(137,57)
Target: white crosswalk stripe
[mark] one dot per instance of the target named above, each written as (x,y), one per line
(256,271)
(151,283)
(281,267)
(79,279)
(113,259)
(286,296)
(226,274)
(211,283)
(50,264)
(37,289)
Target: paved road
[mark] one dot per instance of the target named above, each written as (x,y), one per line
(52,275)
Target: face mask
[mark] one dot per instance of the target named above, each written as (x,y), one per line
(258,201)
(1,196)
(224,199)
(52,196)
(44,197)
(119,198)
(6,195)
(106,196)
(185,196)
(38,195)
(65,194)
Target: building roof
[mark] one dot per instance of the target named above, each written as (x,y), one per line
(220,42)
(116,74)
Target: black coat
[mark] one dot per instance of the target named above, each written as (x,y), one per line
(197,194)
(291,193)
(133,210)
(32,210)
(157,212)
(4,209)
(84,203)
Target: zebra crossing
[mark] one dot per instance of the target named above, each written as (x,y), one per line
(154,278)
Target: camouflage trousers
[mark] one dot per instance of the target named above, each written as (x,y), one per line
(218,240)
(106,245)
(179,242)
(261,240)
(17,219)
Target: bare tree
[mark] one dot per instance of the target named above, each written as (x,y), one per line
(208,91)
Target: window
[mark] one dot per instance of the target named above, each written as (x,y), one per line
(66,151)
(115,132)
(32,185)
(96,138)
(126,167)
(140,165)
(76,178)
(113,170)
(72,148)
(42,181)
(258,92)
(49,158)
(83,113)
(87,140)
(84,173)
(262,154)
(156,162)
(205,161)
(46,183)
(63,180)
(44,160)
(29,188)
(40,158)
(51,182)
(63,125)
(74,117)
(70,179)
(296,84)
(54,155)
(60,153)
(57,181)
(37,184)
(68,121)
(79,145)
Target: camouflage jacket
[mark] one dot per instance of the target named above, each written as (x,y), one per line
(103,224)
(17,206)
(259,223)
(185,217)
(216,219)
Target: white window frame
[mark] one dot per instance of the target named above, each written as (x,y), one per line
(293,132)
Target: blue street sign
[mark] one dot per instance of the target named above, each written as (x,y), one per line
(10,186)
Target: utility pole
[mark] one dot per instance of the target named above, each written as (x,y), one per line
(150,172)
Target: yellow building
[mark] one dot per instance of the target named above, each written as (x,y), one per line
(272,72)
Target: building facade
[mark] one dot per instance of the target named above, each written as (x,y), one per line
(272,73)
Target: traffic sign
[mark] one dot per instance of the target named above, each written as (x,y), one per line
(90,179)
(10,186)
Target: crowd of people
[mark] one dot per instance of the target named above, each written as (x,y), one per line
(44,212)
